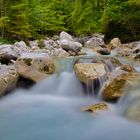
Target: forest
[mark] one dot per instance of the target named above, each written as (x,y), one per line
(33,19)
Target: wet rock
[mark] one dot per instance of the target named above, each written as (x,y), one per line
(35,66)
(87,72)
(95,42)
(104,51)
(8,78)
(118,82)
(96,108)
(115,85)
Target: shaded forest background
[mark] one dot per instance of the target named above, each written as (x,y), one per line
(33,19)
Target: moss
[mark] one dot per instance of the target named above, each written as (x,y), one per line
(27,61)
(49,69)
(46,68)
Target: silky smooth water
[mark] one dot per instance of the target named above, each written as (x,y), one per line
(51,111)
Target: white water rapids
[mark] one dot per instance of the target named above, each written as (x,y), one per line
(51,111)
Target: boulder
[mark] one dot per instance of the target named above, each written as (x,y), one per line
(115,85)
(70,45)
(96,108)
(8,78)
(65,36)
(35,66)
(95,42)
(103,51)
(87,72)
(115,42)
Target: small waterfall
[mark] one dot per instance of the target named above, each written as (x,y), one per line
(65,84)
(94,87)
(109,65)
(64,64)
(130,97)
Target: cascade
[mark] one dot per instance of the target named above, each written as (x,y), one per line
(51,110)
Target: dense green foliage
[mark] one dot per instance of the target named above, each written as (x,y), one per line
(27,19)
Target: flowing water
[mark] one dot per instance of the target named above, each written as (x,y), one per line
(51,111)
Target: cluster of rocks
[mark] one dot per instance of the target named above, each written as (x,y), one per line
(34,61)
(37,60)
(116,81)
(128,50)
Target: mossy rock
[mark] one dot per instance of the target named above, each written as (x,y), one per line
(96,108)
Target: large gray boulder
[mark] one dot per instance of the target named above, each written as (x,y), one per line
(35,66)
(71,45)
(68,43)
(115,85)
(8,78)
(12,52)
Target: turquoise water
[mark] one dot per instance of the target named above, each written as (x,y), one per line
(51,111)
